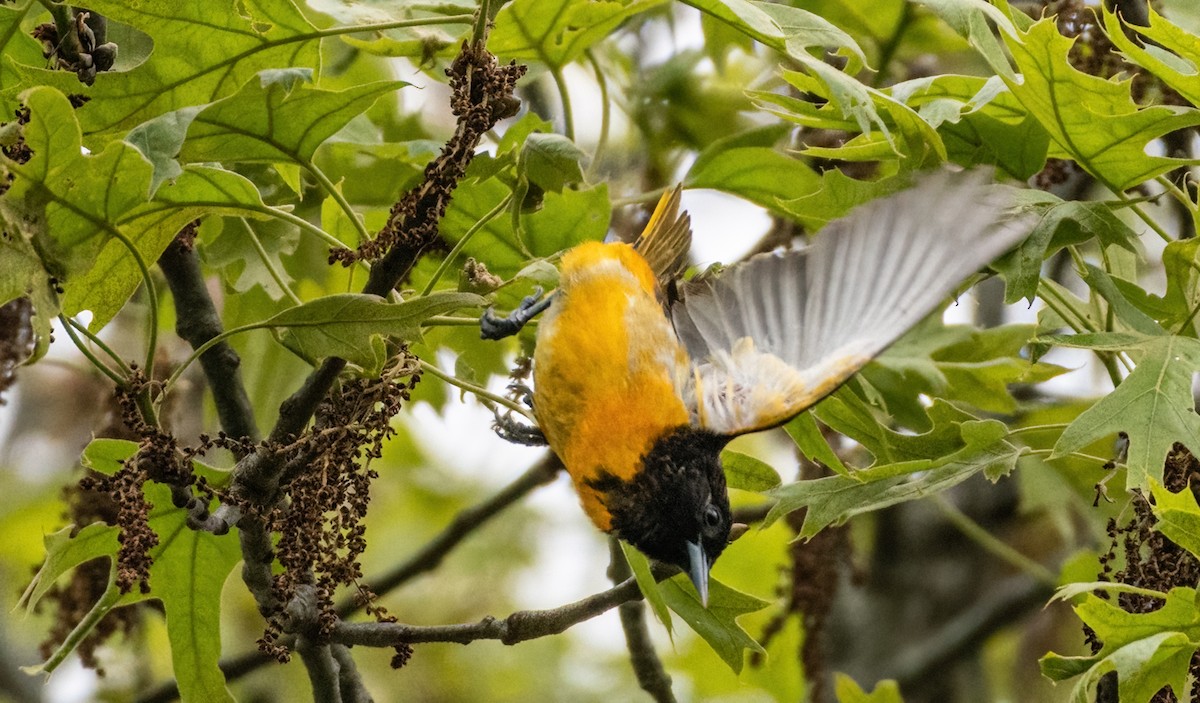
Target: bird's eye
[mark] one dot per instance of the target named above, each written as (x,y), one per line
(712,516)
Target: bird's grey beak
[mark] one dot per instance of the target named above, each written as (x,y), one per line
(698,570)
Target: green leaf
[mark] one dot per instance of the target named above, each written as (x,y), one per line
(958,364)
(640,566)
(847,413)
(421,43)
(189,571)
(1100,341)
(1116,627)
(160,139)
(746,473)
(1181,261)
(1130,317)
(837,195)
(1185,13)
(95,209)
(1178,517)
(978,370)
(557,32)
(969,19)
(18,50)
(551,161)
(1176,68)
(1071,590)
(566,219)
(808,438)
(1153,405)
(64,552)
(1059,668)
(350,325)
(717,623)
(269,121)
(1060,224)
(980,121)
(906,133)
(790,30)
(850,103)
(114,275)
(187,576)
(495,243)
(199,56)
(373,174)
(106,456)
(81,197)
(22,272)
(1147,650)
(834,499)
(747,166)
(848,691)
(1091,120)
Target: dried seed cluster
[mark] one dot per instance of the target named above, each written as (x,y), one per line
(328,478)
(119,500)
(16,340)
(159,458)
(1151,560)
(482,95)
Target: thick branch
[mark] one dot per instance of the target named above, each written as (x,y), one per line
(198,321)
(322,670)
(648,668)
(351,684)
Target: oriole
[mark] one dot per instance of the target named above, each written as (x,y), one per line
(638,393)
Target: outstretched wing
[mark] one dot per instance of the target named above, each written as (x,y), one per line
(773,335)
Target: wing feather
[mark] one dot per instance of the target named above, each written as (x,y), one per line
(771,336)
(665,242)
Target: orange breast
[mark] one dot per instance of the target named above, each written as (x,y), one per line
(606,369)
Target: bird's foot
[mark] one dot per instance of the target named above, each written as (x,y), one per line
(492,326)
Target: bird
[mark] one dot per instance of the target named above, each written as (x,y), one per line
(641,378)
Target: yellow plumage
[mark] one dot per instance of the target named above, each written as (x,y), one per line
(615,364)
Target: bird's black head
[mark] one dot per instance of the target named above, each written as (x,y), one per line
(676,509)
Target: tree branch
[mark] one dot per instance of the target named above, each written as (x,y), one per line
(648,668)
(351,684)
(1009,600)
(322,670)
(517,627)
(198,321)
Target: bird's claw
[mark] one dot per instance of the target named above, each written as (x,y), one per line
(519,433)
(492,326)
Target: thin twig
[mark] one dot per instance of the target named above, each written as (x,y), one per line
(91,357)
(980,536)
(648,668)
(265,258)
(965,633)
(477,390)
(517,627)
